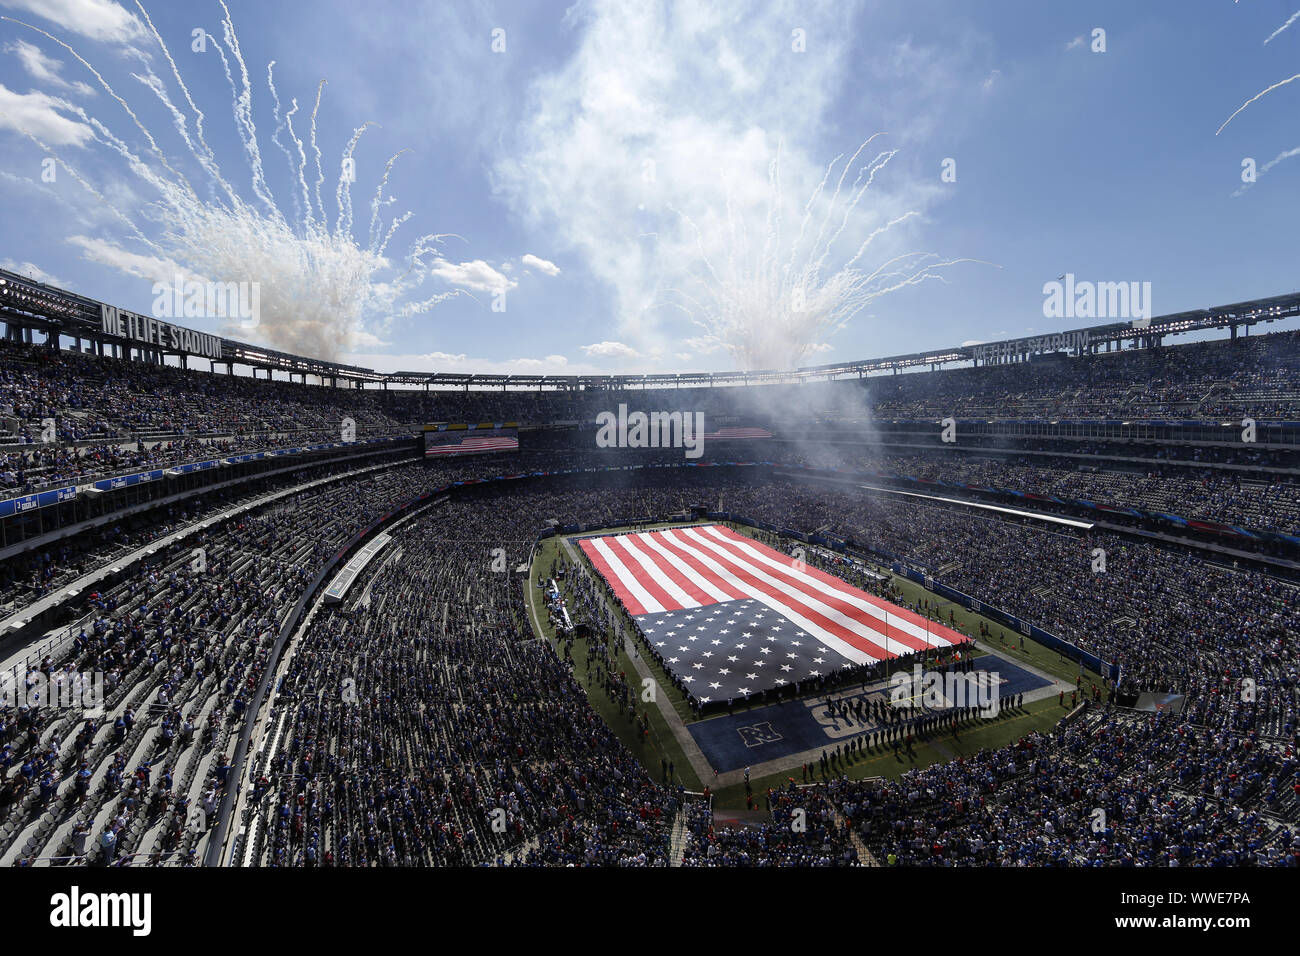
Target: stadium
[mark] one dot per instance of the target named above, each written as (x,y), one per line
(372,626)
(769,552)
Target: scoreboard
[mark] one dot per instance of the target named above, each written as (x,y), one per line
(479,439)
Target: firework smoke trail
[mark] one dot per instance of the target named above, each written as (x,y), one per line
(110,91)
(343,193)
(378,201)
(122,217)
(771,312)
(275,137)
(1274,35)
(207,159)
(316,282)
(308,217)
(320,171)
(1262,93)
(244,113)
(1257,96)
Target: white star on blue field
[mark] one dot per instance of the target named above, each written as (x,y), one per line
(735,649)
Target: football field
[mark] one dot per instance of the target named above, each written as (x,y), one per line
(731,617)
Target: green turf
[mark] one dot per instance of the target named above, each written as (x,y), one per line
(973,736)
(661,744)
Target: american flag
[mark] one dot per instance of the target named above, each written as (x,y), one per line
(471,445)
(738,432)
(730,616)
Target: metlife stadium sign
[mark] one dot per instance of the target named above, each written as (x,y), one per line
(157,333)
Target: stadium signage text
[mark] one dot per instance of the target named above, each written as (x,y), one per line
(1033,345)
(40,499)
(834,726)
(655,430)
(140,328)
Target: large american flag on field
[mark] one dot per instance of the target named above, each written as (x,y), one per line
(732,617)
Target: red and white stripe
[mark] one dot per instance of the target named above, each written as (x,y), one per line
(731,434)
(696,566)
(471,445)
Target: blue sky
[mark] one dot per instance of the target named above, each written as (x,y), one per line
(607,166)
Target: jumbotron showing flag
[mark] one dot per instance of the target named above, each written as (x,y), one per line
(731,617)
(470,439)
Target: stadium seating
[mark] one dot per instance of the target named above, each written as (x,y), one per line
(419,722)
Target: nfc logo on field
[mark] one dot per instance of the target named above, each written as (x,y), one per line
(757,734)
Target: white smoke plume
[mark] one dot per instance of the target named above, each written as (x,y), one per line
(677,153)
(318,284)
(772,295)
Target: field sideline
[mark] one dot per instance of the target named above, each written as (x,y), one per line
(663,745)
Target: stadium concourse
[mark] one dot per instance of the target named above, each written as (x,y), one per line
(420,719)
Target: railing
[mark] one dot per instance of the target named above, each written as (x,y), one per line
(21,668)
(216,843)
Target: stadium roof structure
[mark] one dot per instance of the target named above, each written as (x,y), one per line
(27,304)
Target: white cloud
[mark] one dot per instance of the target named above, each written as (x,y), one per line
(639,128)
(611,350)
(96,19)
(704,344)
(43,68)
(462,362)
(1075,43)
(636,150)
(734,68)
(990,81)
(476,275)
(551,361)
(541,265)
(37,114)
(144,267)
(32,271)
(969,342)
(365,339)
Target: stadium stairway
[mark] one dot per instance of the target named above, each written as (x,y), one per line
(865,856)
(677,842)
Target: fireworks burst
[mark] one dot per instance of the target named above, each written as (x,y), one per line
(768,300)
(1285,154)
(317,282)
